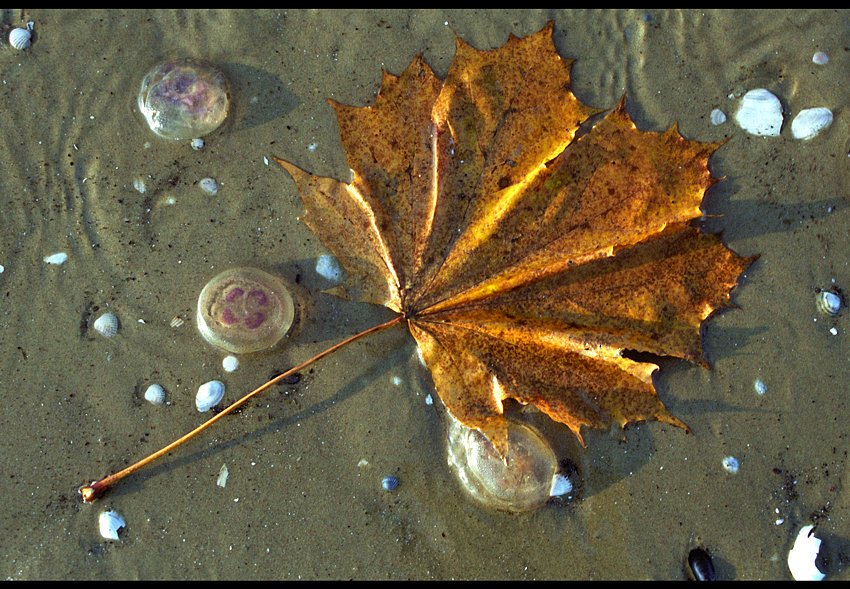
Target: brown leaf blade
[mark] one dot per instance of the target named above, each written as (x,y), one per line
(524,260)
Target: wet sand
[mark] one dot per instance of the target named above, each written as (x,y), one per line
(299,501)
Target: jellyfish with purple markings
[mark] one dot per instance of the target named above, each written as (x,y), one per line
(245,310)
(184,99)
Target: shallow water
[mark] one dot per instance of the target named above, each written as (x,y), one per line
(299,502)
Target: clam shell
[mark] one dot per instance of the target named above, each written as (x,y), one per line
(106,325)
(109,523)
(328,268)
(209,395)
(760,113)
(208,185)
(155,394)
(20,38)
(56,259)
(810,121)
(828,302)
(802,556)
(230,363)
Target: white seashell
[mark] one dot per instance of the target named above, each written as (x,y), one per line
(801,558)
(20,38)
(810,121)
(230,363)
(759,386)
(328,267)
(155,394)
(209,395)
(209,186)
(222,476)
(197,143)
(106,325)
(730,465)
(57,258)
(760,113)
(139,184)
(109,523)
(820,58)
(828,302)
(176,321)
(718,117)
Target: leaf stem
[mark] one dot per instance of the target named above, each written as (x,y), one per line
(94,489)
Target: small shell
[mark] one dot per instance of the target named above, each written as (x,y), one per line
(209,395)
(208,185)
(760,113)
(20,38)
(700,565)
(718,117)
(176,321)
(197,143)
(230,363)
(106,325)
(109,523)
(810,121)
(820,58)
(328,268)
(389,483)
(155,394)
(57,258)
(222,476)
(802,556)
(730,465)
(828,302)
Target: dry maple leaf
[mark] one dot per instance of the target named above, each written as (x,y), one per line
(523,260)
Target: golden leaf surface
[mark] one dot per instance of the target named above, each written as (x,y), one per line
(524,260)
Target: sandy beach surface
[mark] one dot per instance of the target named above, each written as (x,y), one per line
(303,499)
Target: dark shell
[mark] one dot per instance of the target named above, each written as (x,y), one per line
(700,565)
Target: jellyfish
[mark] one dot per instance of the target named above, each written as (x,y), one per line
(184,99)
(527,477)
(245,310)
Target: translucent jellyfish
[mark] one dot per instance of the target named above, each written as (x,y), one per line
(184,99)
(245,310)
(524,481)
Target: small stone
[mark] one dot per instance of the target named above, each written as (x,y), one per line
(389,483)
